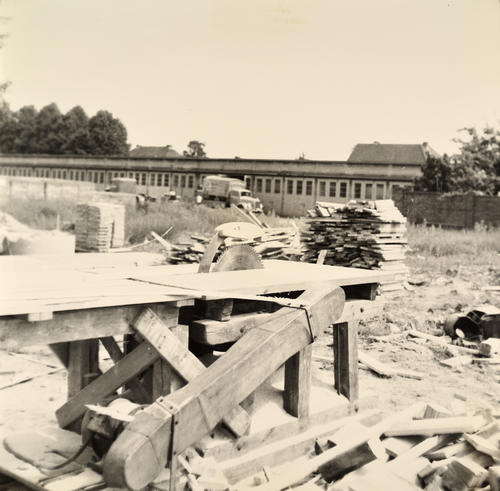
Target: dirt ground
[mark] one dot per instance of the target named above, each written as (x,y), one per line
(443,291)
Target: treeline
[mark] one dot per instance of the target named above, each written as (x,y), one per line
(48,131)
(476,167)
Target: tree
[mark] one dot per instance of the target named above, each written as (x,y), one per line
(195,149)
(436,175)
(76,132)
(107,135)
(49,137)
(477,165)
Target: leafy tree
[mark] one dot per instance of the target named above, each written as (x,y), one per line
(49,137)
(477,165)
(195,149)
(436,175)
(107,135)
(76,132)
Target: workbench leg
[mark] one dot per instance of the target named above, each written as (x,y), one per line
(345,362)
(298,383)
(83,368)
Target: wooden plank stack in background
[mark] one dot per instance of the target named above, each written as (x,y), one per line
(275,243)
(99,226)
(361,234)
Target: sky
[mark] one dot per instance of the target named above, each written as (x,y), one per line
(262,78)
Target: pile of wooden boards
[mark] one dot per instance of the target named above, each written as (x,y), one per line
(423,447)
(275,243)
(361,234)
(99,226)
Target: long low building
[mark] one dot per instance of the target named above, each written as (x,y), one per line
(289,187)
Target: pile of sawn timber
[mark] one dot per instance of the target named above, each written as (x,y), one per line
(275,243)
(422,447)
(361,234)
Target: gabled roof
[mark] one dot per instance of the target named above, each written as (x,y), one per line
(154,152)
(383,153)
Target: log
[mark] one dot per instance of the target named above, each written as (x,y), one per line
(429,427)
(147,443)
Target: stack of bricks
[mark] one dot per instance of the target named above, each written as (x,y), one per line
(99,226)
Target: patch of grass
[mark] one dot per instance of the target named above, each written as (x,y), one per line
(41,214)
(432,241)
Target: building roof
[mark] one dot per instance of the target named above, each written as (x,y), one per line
(383,153)
(165,152)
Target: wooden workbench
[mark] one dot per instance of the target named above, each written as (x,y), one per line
(74,308)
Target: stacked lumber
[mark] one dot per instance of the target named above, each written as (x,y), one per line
(423,447)
(99,226)
(361,234)
(275,243)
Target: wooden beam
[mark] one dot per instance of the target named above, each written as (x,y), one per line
(173,351)
(129,366)
(83,365)
(345,360)
(429,427)
(77,325)
(201,404)
(298,383)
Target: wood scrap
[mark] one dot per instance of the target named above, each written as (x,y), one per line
(458,424)
(385,370)
(494,477)
(20,379)
(490,347)
(463,474)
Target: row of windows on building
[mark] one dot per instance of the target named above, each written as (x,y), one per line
(99,177)
(330,189)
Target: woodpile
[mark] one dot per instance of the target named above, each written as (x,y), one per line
(275,243)
(99,226)
(425,446)
(361,234)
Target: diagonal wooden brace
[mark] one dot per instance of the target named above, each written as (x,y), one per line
(141,451)
(150,326)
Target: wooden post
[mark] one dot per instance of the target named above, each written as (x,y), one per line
(83,364)
(345,363)
(298,383)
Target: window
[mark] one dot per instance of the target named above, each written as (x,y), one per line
(259,185)
(343,189)
(137,177)
(122,174)
(299,187)
(101,177)
(116,174)
(322,188)
(380,191)
(71,174)
(176,180)
(143,179)
(159,180)
(277,186)
(183,181)
(165,179)
(268,185)
(368,190)
(152,179)
(357,190)
(190,181)
(248,182)
(309,188)
(131,175)
(289,186)
(332,189)
(59,174)
(96,176)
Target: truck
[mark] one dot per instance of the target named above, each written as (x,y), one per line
(227,191)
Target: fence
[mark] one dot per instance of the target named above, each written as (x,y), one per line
(448,210)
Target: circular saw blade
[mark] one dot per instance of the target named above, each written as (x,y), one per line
(238,257)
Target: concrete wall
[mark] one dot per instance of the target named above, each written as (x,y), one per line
(39,188)
(450,211)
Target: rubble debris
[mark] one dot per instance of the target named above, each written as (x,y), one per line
(361,234)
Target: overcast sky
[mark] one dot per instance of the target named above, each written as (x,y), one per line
(262,78)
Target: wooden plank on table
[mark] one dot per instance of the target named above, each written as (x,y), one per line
(298,383)
(77,325)
(201,404)
(183,361)
(129,366)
